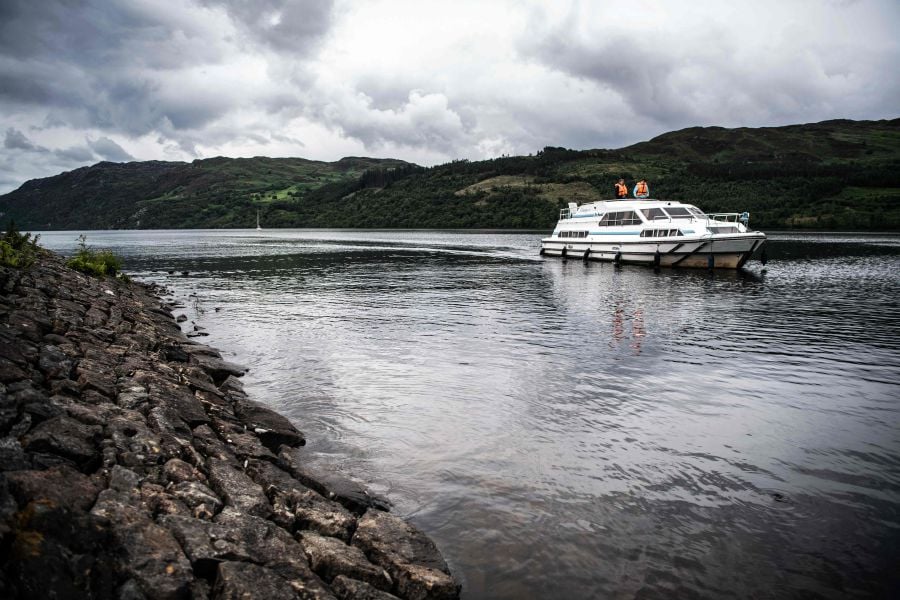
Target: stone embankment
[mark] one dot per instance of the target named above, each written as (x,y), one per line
(133,465)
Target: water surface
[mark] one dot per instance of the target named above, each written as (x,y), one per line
(565,430)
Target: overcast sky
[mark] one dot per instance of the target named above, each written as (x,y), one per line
(426,81)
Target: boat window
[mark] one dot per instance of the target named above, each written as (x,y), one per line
(678,211)
(627,217)
(653,213)
(723,229)
(573,234)
(662,233)
(696,212)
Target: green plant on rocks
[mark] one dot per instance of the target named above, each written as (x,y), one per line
(18,249)
(94,262)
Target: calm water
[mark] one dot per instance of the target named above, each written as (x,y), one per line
(579,431)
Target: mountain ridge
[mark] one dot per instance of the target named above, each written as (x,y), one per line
(832,174)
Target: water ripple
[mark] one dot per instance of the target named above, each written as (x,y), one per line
(572,430)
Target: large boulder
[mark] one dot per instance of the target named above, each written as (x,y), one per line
(273,429)
(237,489)
(330,557)
(411,559)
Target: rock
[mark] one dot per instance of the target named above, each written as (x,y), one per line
(65,437)
(29,324)
(194,494)
(194,348)
(174,353)
(181,318)
(197,379)
(12,456)
(333,486)
(411,559)
(135,444)
(209,445)
(54,363)
(149,552)
(60,552)
(295,506)
(273,429)
(58,486)
(237,489)
(178,471)
(133,397)
(174,434)
(246,581)
(233,536)
(97,376)
(345,588)
(247,445)
(122,479)
(217,368)
(188,408)
(10,372)
(330,557)
(232,384)
(89,414)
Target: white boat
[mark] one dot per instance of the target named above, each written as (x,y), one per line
(654,232)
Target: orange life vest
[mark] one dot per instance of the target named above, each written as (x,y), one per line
(621,190)
(641,188)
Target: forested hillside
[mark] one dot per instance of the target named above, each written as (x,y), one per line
(830,175)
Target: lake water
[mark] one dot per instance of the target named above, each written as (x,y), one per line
(564,430)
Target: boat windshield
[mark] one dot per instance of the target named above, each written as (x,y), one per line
(677,211)
(653,213)
(696,212)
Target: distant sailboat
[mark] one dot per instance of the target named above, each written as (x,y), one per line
(258,228)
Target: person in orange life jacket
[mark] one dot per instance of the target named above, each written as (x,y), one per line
(642,190)
(621,190)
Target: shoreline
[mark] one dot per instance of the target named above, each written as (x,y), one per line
(134,465)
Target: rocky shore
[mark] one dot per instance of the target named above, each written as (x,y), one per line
(133,465)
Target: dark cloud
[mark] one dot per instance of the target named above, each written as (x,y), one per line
(16,140)
(297,26)
(109,150)
(75,154)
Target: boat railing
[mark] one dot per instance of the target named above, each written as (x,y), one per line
(563,213)
(723,218)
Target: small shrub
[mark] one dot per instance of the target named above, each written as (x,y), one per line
(94,262)
(18,249)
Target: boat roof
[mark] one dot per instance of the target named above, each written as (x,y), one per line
(630,204)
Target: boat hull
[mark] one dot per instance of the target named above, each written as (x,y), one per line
(719,251)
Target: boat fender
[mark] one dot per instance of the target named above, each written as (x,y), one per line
(618,259)
(656,259)
(565,252)
(711,261)
(587,255)
(541,253)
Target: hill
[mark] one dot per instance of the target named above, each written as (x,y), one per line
(830,175)
(210,193)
